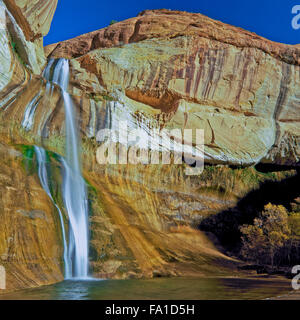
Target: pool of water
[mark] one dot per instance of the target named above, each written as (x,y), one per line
(157,289)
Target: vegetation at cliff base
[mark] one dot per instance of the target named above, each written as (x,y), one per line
(269,233)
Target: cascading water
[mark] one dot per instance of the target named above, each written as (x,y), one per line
(74,189)
(43,175)
(28,119)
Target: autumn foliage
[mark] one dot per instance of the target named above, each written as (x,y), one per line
(269,234)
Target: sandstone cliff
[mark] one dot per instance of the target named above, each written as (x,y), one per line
(30,240)
(162,69)
(198,73)
(23,25)
(34,17)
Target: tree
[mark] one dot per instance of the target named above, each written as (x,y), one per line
(268,234)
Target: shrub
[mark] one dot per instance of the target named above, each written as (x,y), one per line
(267,236)
(113,22)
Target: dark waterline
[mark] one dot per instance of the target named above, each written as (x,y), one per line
(160,289)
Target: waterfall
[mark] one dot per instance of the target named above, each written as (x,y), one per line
(28,119)
(73,187)
(43,175)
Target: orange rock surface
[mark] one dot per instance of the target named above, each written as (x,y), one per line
(162,69)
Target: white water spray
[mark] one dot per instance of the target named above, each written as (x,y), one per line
(74,189)
(43,175)
(28,119)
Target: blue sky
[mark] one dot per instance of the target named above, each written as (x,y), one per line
(268,18)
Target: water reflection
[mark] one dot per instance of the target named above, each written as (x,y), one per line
(160,289)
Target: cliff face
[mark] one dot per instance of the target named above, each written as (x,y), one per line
(151,24)
(34,17)
(30,238)
(240,88)
(23,24)
(162,69)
